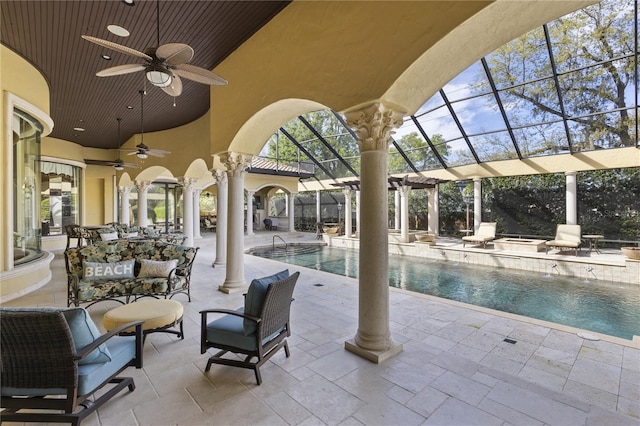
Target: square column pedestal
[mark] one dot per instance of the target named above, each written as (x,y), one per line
(377,357)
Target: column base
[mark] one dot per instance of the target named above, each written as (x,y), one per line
(231,290)
(377,357)
(217,264)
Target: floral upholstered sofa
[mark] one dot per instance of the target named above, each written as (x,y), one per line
(121,269)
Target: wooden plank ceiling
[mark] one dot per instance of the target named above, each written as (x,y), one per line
(47,33)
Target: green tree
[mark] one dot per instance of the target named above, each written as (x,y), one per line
(593,50)
(418,152)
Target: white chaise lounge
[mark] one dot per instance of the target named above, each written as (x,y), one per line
(486,232)
(567,237)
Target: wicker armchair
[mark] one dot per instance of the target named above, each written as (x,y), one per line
(52,364)
(257,331)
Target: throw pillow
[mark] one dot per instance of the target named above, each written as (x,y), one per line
(84,332)
(96,270)
(131,234)
(156,268)
(255,296)
(109,236)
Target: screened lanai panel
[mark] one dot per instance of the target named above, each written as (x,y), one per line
(590,134)
(506,64)
(457,153)
(479,114)
(470,82)
(542,139)
(600,32)
(535,102)
(440,122)
(494,146)
(434,102)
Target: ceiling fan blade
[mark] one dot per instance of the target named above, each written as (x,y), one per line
(154,153)
(175,89)
(120,69)
(133,152)
(117,47)
(198,74)
(160,151)
(175,53)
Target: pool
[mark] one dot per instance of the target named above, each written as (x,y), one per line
(608,308)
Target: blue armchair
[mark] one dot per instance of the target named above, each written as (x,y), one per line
(258,330)
(54,359)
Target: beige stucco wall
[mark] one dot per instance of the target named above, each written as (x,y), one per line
(17,79)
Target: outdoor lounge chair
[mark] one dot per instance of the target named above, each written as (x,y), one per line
(567,237)
(486,232)
(54,360)
(258,330)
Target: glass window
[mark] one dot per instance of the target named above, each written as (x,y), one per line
(59,197)
(26,187)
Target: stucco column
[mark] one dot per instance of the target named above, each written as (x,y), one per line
(142,187)
(187,209)
(124,204)
(433,218)
(318,207)
(236,165)
(347,213)
(477,203)
(250,212)
(396,209)
(196,213)
(291,198)
(221,218)
(374,125)
(404,191)
(572,197)
(358,214)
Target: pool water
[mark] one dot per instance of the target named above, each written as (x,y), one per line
(608,308)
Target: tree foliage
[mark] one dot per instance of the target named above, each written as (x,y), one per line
(593,53)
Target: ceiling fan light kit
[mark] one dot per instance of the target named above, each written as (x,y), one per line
(164,64)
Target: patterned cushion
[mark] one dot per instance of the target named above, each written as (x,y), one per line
(255,296)
(156,269)
(115,270)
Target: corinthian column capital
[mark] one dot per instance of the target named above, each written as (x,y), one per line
(219,175)
(374,125)
(142,185)
(235,162)
(187,183)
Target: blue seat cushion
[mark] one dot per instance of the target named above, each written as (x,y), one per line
(255,296)
(229,331)
(90,376)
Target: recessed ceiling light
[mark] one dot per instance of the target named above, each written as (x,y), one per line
(129,107)
(128,2)
(118,30)
(106,57)
(78,129)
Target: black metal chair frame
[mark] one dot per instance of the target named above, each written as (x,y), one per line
(38,352)
(274,316)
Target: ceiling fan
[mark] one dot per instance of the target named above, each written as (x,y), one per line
(141,150)
(118,164)
(164,64)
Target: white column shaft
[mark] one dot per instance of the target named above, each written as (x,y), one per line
(291,198)
(396,208)
(318,207)
(434,211)
(221,219)
(250,212)
(187,211)
(572,197)
(477,203)
(358,212)
(142,203)
(347,213)
(404,212)
(196,213)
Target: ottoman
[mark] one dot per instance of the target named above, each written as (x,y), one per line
(158,315)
